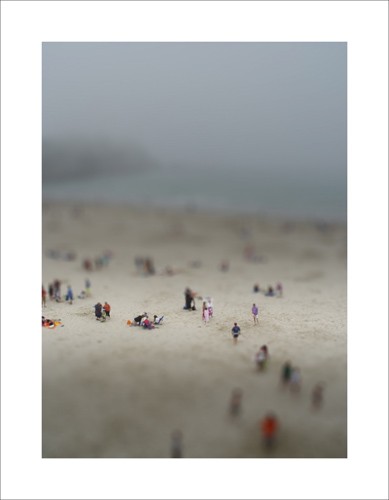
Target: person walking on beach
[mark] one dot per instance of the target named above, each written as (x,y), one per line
(87,287)
(269,428)
(255,312)
(235,332)
(286,373)
(44,294)
(107,309)
(261,357)
(57,290)
(236,402)
(69,295)
(176,444)
(317,396)
(279,289)
(295,381)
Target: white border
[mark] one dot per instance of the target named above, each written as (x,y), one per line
(364,26)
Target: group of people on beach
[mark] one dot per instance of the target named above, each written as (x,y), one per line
(145,322)
(102,312)
(54,292)
(97,263)
(271,291)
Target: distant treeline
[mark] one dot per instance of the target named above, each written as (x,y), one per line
(74,158)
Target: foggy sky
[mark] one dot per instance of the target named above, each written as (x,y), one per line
(278,106)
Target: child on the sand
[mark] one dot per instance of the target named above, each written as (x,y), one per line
(205,314)
(255,311)
(270,292)
(235,332)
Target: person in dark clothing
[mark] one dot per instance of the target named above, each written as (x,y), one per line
(98,310)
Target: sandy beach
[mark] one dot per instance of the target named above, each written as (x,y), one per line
(113,390)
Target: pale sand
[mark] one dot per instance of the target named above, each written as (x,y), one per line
(110,390)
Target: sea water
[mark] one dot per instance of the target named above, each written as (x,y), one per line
(294,196)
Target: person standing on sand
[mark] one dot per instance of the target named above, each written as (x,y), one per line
(205,315)
(269,428)
(69,295)
(98,310)
(255,312)
(235,332)
(87,287)
(44,294)
(317,396)
(107,309)
(176,444)
(236,402)
(286,373)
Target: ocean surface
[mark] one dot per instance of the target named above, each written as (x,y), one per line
(292,196)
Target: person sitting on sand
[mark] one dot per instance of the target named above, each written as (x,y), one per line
(235,332)
(157,319)
(270,292)
(82,295)
(256,288)
(147,324)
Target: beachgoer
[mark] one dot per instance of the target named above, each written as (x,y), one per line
(295,380)
(270,292)
(261,357)
(236,402)
(82,294)
(57,290)
(107,309)
(69,295)
(269,428)
(189,299)
(44,294)
(279,289)
(205,315)
(98,311)
(255,311)
(87,287)
(235,332)
(224,266)
(256,288)
(176,444)
(87,264)
(51,291)
(317,396)
(286,373)
(209,306)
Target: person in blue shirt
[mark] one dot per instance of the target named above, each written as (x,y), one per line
(235,332)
